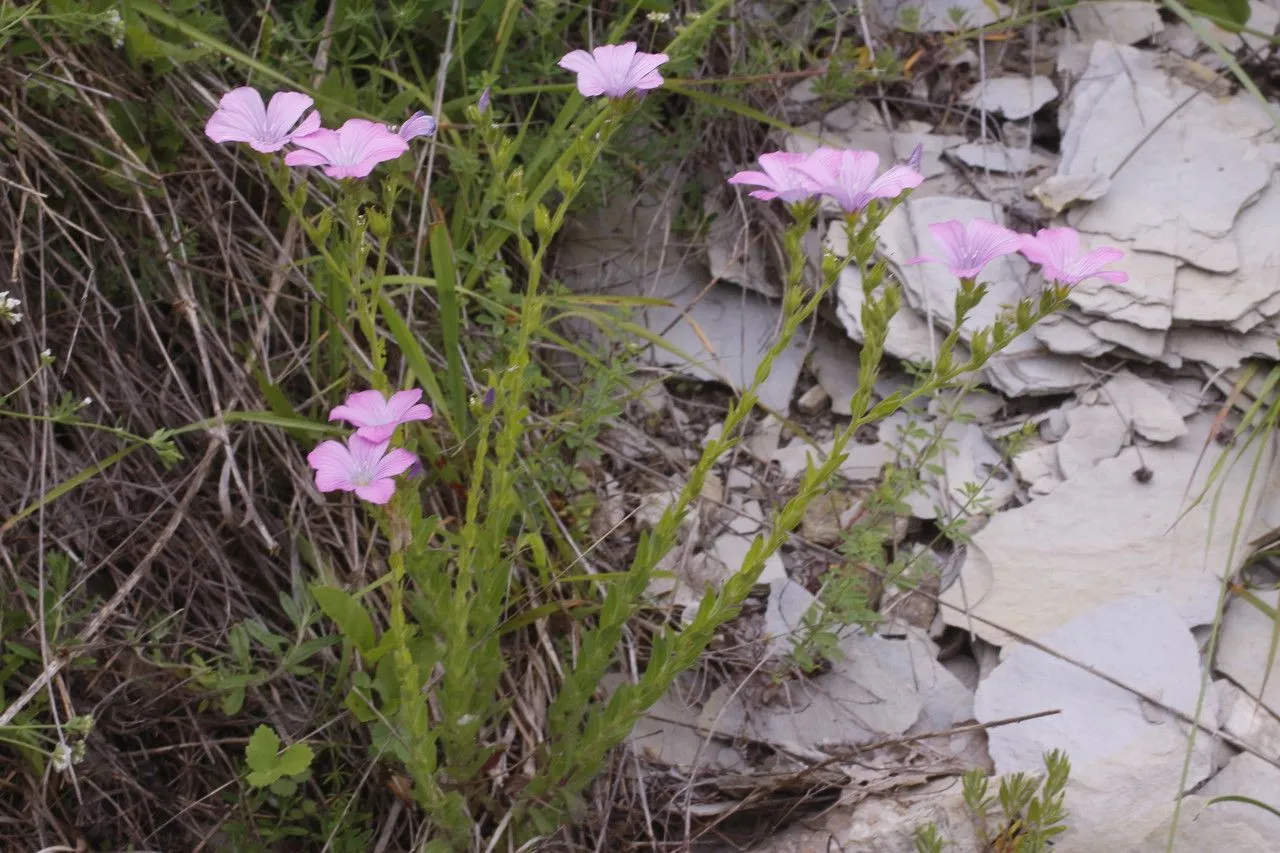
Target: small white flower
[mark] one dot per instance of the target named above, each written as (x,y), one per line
(115,28)
(9,308)
(87,401)
(46,355)
(659,17)
(61,758)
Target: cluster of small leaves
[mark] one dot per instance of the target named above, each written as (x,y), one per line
(1027,812)
(256,655)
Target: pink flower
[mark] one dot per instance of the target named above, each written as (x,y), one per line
(966,249)
(351,151)
(363,467)
(615,70)
(782,178)
(849,177)
(418,124)
(1057,251)
(242,117)
(376,417)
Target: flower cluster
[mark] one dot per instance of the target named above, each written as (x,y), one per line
(968,248)
(364,464)
(847,177)
(350,151)
(850,179)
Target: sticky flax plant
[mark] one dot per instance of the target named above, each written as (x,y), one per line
(582,731)
(427,685)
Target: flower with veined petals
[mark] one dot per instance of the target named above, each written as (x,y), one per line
(849,177)
(782,178)
(377,417)
(242,117)
(351,151)
(418,124)
(967,248)
(1057,251)
(364,467)
(615,70)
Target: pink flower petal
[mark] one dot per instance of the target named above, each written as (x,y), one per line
(323,142)
(397,461)
(614,70)
(361,408)
(644,71)
(298,157)
(377,492)
(1057,251)
(896,180)
(782,178)
(614,62)
(352,150)
(849,177)
(283,113)
(402,402)
(418,124)
(967,249)
(310,124)
(332,463)
(591,81)
(240,117)
(1110,276)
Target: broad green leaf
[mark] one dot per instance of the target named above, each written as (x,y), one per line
(284,787)
(348,614)
(294,760)
(260,754)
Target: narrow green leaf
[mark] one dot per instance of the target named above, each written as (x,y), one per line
(446,276)
(416,358)
(1248,801)
(348,614)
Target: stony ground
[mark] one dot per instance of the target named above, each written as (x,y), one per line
(1103,546)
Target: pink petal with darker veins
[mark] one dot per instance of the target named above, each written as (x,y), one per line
(239,118)
(242,117)
(377,492)
(351,151)
(968,248)
(591,80)
(615,70)
(332,463)
(418,124)
(396,462)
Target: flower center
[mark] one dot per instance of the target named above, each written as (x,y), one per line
(362,475)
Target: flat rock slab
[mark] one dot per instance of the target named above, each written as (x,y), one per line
(860,700)
(940,16)
(1142,641)
(1102,536)
(1201,828)
(1246,646)
(1012,97)
(1120,21)
(1203,297)
(714,332)
(1126,756)
(1180,166)
(994,157)
(1247,776)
